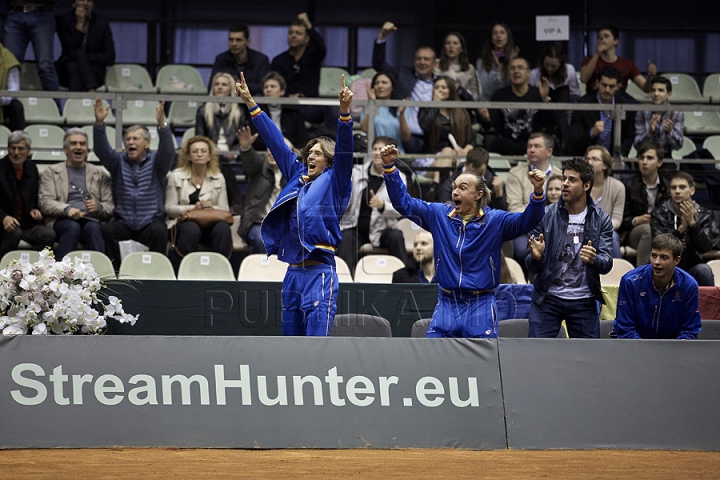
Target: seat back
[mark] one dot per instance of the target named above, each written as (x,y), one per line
(146,266)
(711,143)
(258,267)
(46,136)
(606,326)
(343,271)
(101,263)
(516,271)
(180,79)
(360,325)
(189,133)
(330,83)
(205,266)
(711,88)
(409,230)
(28,255)
(109,132)
(620,267)
(710,330)
(139,112)
(81,111)
(128,77)
(377,268)
(715,267)
(638,94)
(685,88)
(702,123)
(41,110)
(4,134)
(419,328)
(687,148)
(182,114)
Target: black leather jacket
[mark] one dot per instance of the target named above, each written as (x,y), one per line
(699,237)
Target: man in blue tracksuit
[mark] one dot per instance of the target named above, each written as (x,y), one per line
(467,239)
(303,225)
(658,300)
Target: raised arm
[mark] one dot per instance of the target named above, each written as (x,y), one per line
(108,157)
(344,144)
(166,149)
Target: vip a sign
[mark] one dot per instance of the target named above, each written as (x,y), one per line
(552,28)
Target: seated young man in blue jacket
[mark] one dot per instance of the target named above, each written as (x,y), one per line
(467,237)
(659,300)
(303,226)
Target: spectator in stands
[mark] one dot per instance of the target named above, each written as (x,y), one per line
(569,250)
(414,83)
(659,300)
(303,226)
(287,118)
(605,55)
(423,271)
(593,127)
(553,191)
(300,65)
(467,239)
(559,74)
(87,47)
(513,126)
(492,66)
(33,21)
(197,184)
(662,128)
(389,121)
(477,162)
(138,183)
(75,196)
(19,179)
(370,217)
(644,192)
(608,192)
(12,112)
(220,121)
(240,58)
(448,131)
(690,223)
(455,65)
(518,187)
(264,183)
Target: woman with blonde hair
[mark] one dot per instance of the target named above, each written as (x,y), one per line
(220,121)
(197,184)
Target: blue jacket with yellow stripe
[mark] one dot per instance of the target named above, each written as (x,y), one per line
(467,255)
(319,204)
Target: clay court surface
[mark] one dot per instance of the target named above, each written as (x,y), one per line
(203,463)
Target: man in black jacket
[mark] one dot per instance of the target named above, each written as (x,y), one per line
(644,192)
(593,127)
(688,222)
(87,47)
(19,182)
(239,58)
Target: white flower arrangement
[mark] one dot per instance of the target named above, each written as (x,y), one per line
(49,297)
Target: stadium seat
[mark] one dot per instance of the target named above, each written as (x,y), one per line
(81,111)
(179,79)
(48,156)
(368,249)
(109,131)
(702,123)
(41,110)
(685,89)
(377,268)
(29,77)
(155,139)
(715,266)
(330,84)
(205,266)
(711,143)
(710,330)
(46,136)
(126,77)
(182,114)
(409,229)
(258,267)
(343,271)
(711,88)
(4,134)
(101,263)
(29,255)
(146,266)
(419,328)
(620,267)
(368,73)
(638,94)
(687,148)
(606,326)
(139,112)
(189,133)
(516,271)
(519,327)
(360,325)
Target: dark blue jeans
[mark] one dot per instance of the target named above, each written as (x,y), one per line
(38,28)
(71,232)
(581,316)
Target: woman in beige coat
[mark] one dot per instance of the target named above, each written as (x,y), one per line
(197,183)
